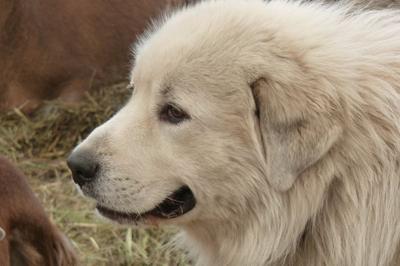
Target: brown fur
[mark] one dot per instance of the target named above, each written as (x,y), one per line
(52,48)
(31,239)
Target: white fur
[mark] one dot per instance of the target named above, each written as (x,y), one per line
(315,180)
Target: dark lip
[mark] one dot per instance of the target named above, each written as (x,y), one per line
(173,206)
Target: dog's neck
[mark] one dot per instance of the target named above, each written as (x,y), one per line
(248,239)
(312,241)
(224,244)
(262,231)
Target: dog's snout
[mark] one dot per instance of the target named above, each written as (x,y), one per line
(84,167)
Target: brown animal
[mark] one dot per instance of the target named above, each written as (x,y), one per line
(31,239)
(57,48)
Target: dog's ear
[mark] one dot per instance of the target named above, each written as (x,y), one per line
(297,128)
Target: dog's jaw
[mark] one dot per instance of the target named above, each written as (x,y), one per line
(173,206)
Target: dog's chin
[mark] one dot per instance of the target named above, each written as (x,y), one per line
(173,206)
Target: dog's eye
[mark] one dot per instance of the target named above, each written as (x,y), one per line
(172,114)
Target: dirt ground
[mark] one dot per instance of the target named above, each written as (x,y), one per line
(39,145)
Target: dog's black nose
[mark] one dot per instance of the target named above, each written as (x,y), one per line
(83,166)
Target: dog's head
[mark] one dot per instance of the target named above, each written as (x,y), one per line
(224,112)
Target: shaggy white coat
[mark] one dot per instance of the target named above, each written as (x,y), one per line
(292,149)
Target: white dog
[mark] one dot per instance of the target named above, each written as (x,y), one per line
(268,132)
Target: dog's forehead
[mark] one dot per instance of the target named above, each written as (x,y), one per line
(184,46)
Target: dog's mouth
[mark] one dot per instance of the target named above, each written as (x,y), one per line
(173,206)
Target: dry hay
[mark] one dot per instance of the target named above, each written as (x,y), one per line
(39,145)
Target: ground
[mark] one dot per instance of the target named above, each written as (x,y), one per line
(39,145)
